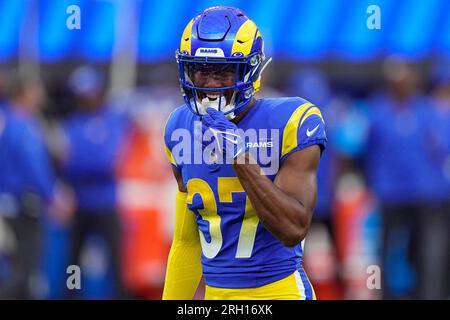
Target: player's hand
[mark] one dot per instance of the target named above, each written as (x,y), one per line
(229,140)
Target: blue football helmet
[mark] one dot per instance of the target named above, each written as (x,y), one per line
(218,40)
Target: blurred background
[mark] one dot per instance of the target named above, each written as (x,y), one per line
(83,174)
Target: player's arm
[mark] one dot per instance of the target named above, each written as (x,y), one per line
(183,266)
(284,206)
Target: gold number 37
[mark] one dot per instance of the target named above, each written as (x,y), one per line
(226,186)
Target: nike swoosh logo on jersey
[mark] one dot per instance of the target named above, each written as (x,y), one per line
(310,133)
(228,136)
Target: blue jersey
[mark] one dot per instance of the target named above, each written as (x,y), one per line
(24,161)
(237,251)
(436,134)
(95,140)
(395,160)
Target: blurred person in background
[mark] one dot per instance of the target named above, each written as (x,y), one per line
(94,134)
(435,240)
(395,169)
(27,184)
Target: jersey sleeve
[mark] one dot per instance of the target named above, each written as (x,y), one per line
(168,143)
(36,163)
(304,128)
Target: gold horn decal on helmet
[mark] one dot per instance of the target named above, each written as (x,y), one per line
(185,45)
(245,37)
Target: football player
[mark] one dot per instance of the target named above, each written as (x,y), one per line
(243,211)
